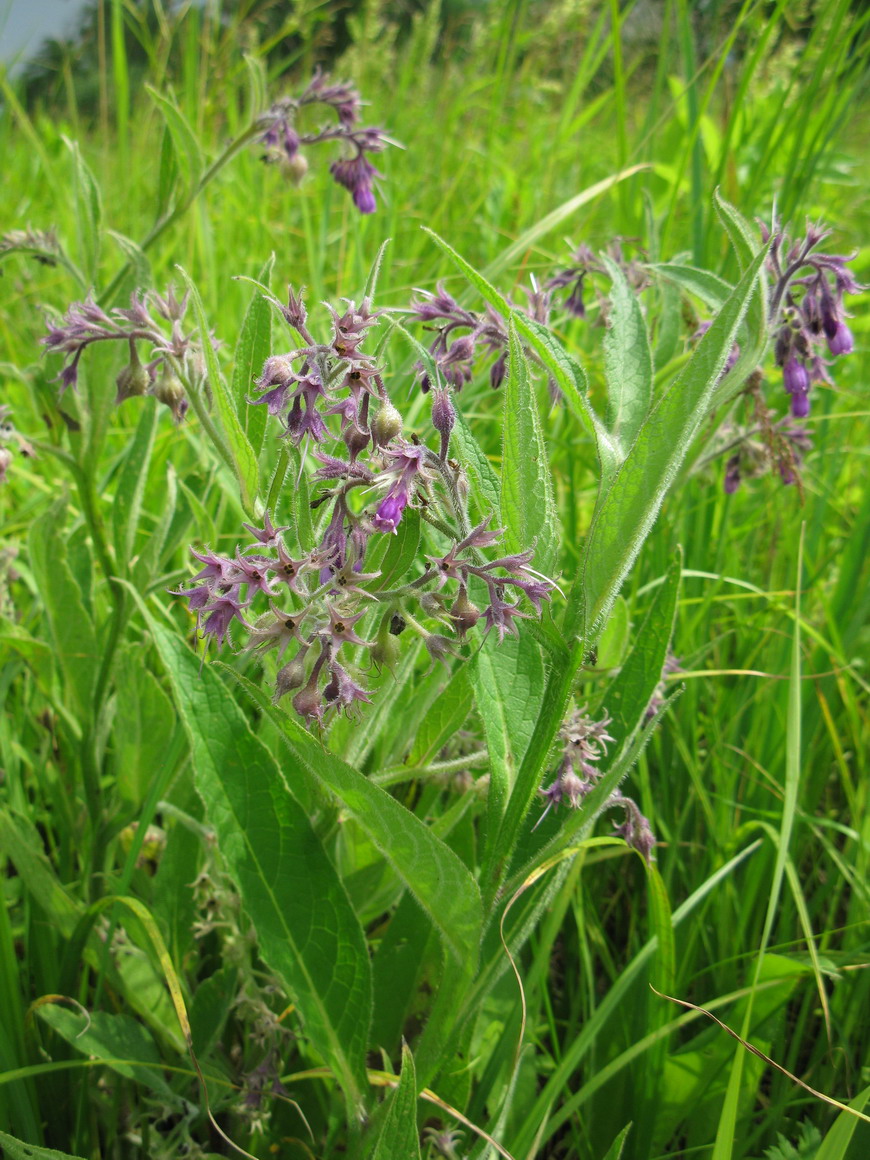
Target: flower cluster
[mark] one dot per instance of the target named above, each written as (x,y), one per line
(172,356)
(284,140)
(760,447)
(585,743)
(42,245)
(463,335)
(315,598)
(807,310)
(584,263)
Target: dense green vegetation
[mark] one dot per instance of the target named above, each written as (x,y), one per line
(151,968)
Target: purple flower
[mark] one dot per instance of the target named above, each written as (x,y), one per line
(732,475)
(356,174)
(389,513)
(841,341)
(222,611)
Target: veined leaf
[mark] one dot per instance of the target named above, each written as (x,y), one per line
(187,151)
(527,504)
(75,639)
(710,288)
(627,509)
(485,483)
(398,1138)
(132,478)
(631,690)
(252,349)
(121,1041)
(431,871)
(89,212)
(627,360)
(17,1150)
(307,930)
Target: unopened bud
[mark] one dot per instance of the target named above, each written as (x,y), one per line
(387,424)
(443,416)
(169,390)
(290,677)
(133,379)
(463,613)
(294,168)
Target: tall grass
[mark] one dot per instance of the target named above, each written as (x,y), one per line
(756,783)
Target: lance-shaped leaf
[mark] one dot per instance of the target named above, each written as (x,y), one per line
(527,505)
(630,692)
(435,876)
(627,509)
(307,930)
(398,1138)
(627,361)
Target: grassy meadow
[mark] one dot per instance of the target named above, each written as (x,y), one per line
(158,997)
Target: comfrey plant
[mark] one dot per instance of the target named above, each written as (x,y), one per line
(315,601)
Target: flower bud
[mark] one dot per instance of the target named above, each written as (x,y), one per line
(841,341)
(294,168)
(169,391)
(443,416)
(5,461)
(290,677)
(463,613)
(133,379)
(387,424)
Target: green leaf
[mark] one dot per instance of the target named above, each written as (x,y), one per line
(614,640)
(89,212)
(743,237)
(444,719)
(20,841)
(168,172)
(72,631)
(836,1142)
(119,1040)
(394,553)
(627,360)
(132,477)
(240,452)
(17,1150)
(614,1152)
(627,509)
(188,154)
(144,718)
(484,482)
(710,288)
(253,347)
(398,1138)
(306,928)
(527,504)
(507,680)
(629,693)
(429,869)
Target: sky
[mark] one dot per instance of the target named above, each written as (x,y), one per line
(24,24)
